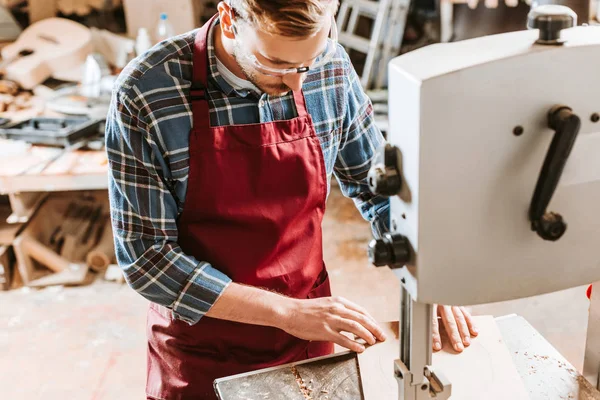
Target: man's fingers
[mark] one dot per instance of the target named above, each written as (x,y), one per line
(345,342)
(436,338)
(470,322)
(365,321)
(452,328)
(463,329)
(351,326)
(366,317)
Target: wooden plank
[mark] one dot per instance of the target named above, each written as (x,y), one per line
(74,275)
(376,366)
(484,370)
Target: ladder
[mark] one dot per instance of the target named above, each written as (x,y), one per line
(389,21)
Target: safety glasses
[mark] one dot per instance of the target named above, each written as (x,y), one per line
(325,57)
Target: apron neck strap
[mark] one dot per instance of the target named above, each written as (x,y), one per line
(198,91)
(201,54)
(300,103)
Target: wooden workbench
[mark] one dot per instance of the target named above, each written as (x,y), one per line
(28,172)
(544,371)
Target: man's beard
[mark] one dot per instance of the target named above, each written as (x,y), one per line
(255,77)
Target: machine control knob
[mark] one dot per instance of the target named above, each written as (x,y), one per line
(384,177)
(550,19)
(390,250)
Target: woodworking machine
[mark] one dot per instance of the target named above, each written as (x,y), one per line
(492,167)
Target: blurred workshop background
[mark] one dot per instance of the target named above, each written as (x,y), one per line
(70,327)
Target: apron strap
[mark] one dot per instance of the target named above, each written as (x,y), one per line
(198,90)
(300,103)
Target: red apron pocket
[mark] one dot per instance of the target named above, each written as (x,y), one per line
(322,287)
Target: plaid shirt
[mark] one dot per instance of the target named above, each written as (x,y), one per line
(147,143)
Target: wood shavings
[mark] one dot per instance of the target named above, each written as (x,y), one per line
(304,388)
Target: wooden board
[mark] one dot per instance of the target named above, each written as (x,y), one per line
(376,366)
(484,370)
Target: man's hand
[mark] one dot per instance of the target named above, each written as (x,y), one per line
(324,319)
(458,324)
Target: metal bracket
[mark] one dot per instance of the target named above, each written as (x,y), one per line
(435,386)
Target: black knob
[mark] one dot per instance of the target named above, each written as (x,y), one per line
(384,177)
(390,250)
(550,19)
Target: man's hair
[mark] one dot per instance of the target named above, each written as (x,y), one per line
(292,18)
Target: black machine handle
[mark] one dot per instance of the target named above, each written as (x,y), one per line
(550,225)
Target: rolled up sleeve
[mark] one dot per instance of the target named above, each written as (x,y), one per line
(360,140)
(144,217)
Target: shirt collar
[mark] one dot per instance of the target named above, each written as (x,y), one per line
(215,76)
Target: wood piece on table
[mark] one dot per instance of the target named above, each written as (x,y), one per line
(72,43)
(99,258)
(76,274)
(376,366)
(484,370)
(43,254)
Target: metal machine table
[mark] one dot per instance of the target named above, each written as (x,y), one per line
(545,373)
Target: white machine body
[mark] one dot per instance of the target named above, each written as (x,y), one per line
(468,180)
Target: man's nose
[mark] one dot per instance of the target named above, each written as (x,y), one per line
(294,81)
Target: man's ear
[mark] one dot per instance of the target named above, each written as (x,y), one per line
(225,13)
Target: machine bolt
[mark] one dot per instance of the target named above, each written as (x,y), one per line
(518,131)
(551,226)
(595,117)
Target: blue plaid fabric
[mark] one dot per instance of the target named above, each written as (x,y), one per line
(147,133)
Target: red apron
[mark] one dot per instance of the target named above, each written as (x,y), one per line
(254,206)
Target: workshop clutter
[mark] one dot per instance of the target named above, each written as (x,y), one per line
(69,235)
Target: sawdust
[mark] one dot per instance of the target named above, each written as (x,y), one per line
(304,388)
